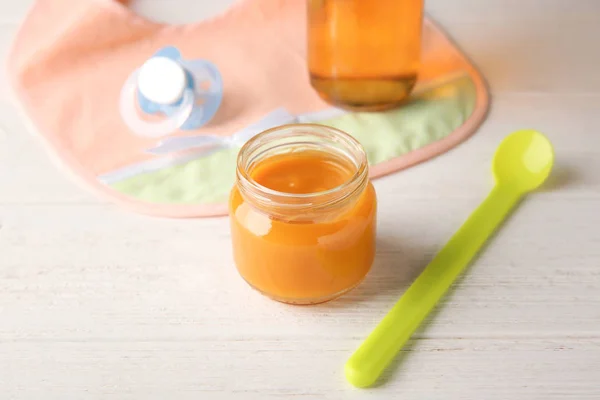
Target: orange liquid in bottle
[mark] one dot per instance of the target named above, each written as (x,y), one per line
(300,259)
(364,54)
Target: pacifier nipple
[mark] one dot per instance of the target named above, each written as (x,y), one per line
(161,80)
(187,93)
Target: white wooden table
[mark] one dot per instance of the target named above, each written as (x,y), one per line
(98,303)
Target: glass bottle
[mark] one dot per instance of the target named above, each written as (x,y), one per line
(364,54)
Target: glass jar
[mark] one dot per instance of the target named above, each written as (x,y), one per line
(303,246)
(364,54)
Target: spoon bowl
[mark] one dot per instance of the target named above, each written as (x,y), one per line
(523,160)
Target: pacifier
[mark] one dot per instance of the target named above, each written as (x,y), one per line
(187,93)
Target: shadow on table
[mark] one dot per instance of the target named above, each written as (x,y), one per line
(397,264)
(563,175)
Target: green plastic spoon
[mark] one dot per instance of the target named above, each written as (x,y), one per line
(522,163)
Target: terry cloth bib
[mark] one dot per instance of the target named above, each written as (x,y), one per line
(71,58)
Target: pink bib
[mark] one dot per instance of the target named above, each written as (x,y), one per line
(71,58)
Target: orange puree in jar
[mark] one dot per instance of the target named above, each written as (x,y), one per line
(303,220)
(302,173)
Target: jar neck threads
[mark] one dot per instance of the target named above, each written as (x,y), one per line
(297,138)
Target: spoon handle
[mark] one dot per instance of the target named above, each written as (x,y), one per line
(378,350)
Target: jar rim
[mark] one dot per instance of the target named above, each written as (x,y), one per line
(353,150)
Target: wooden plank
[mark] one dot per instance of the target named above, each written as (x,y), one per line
(79,271)
(259,368)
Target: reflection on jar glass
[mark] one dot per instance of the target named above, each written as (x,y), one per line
(364,54)
(303,213)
